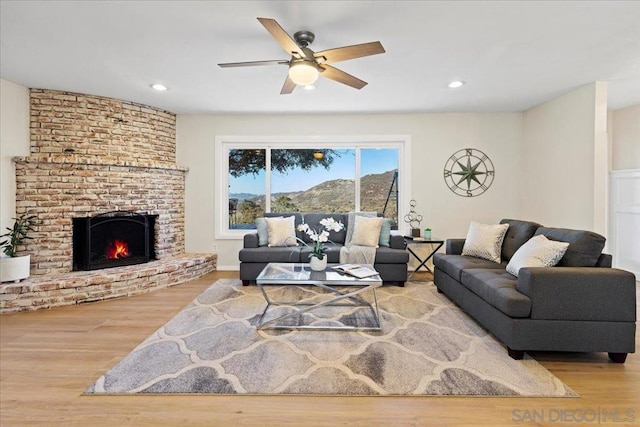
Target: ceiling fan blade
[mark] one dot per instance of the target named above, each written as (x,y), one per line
(277,32)
(350,52)
(288,86)
(340,76)
(254,63)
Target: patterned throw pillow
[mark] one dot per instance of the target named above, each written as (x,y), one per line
(537,252)
(282,231)
(485,241)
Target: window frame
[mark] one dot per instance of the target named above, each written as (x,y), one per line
(223,143)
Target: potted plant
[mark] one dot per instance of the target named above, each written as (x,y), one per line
(317,257)
(14,268)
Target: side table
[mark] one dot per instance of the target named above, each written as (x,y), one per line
(435,245)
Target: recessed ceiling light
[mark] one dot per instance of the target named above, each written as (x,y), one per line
(456,84)
(309,87)
(158,86)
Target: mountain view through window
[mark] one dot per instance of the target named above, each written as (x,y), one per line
(311,180)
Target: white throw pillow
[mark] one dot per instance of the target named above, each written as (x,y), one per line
(537,252)
(282,231)
(352,222)
(366,231)
(485,241)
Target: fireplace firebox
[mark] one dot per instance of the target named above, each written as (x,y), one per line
(113,239)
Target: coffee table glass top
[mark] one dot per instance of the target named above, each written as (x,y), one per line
(318,310)
(282,273)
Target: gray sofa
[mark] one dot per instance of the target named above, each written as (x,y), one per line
(390,262)
(580,305)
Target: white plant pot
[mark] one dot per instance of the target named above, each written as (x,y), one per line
(318,264)
(14,269)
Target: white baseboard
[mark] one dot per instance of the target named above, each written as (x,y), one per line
(228,268)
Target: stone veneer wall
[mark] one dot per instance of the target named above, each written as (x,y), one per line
(78,287)
(91,155)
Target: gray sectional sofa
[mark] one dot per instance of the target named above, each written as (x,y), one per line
(391,261)
(579,305)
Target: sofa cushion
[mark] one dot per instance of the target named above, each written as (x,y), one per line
(313,221)
(453,265)
(282,232)
(281,254)
(498,288)
(485,240)
(518,234)
(584,248)
(537,252)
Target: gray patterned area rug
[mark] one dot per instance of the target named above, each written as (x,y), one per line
(427,347)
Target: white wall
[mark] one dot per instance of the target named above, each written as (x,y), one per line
(14,141)
(625,138)
(563,170)
(544,159)
(434,138)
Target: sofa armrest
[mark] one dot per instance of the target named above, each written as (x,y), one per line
(579,293)
(454,246)
(397,240)
(251,239)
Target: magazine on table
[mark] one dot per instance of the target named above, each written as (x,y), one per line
(356,270)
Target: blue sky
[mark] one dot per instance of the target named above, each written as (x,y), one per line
(373,161)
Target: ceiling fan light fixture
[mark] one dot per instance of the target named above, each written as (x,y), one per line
(303,73)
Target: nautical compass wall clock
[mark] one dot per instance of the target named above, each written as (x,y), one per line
(468,172)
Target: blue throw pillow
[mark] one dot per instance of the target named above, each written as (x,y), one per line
(385,233)
(263,233)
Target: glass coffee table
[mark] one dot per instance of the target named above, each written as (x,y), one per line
(320,299)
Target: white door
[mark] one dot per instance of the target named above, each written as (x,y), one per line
(625,220)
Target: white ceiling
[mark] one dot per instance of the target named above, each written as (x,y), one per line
(513,55)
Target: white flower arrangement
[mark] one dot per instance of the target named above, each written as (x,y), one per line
(317,249)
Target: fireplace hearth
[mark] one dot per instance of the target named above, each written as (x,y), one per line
(113,239)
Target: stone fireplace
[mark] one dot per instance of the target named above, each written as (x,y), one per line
(94,157)
(91,155)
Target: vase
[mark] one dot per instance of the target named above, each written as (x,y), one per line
(318,264)
(14,269)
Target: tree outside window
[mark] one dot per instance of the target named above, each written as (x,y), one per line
(310,180)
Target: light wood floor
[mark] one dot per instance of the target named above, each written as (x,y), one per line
(48,358)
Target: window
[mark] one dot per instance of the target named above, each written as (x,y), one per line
(282,174)
(318,180)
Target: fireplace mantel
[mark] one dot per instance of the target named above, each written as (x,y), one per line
(71,159)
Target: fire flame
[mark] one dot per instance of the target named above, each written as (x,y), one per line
(117,249)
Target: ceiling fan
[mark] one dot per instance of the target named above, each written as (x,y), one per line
(306,65)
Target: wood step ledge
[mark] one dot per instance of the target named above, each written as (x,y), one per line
(77,287)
